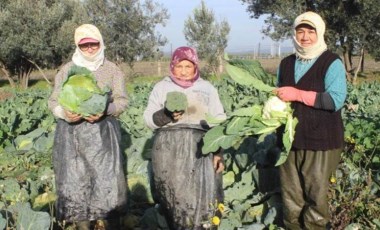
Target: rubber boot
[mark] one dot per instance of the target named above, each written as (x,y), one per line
(82,225)
(112,224)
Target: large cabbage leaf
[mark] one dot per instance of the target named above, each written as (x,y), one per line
(259,121)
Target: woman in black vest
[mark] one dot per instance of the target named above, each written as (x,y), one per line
(313,79)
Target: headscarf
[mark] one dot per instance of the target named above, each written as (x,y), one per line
(180,54)
(315,21)
(79,58)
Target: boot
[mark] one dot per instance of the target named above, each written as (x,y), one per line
(82,225)
(112,224)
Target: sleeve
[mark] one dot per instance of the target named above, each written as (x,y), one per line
(119,100)
(53,104)
(278,77)
(335,82)
(324,101)
(155,103)
(216,108)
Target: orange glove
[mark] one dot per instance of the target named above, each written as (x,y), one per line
(289,93)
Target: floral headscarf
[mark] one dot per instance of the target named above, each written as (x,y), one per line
(79,58)
(315,21)
(180,54)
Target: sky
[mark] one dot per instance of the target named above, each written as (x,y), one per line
(245,32)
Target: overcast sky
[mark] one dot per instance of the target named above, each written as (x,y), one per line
(245,32)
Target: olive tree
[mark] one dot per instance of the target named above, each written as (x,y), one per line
(32,36)
(128,27)
(39,34)
(351,24)
(209,37)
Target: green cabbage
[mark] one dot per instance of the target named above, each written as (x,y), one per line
(80,94)
(176,101)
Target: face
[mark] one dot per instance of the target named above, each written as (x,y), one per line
(89,48)
(306,35)
(184,70)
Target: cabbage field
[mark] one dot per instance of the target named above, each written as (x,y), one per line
(250,180)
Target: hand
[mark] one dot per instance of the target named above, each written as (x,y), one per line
(94,118)
(72,117)
(177,115)
(218,163)
(289,93)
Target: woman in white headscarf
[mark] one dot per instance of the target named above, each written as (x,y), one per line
(87,158)
(314,80)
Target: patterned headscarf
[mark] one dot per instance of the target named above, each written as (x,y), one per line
(314,20)
(180,54)
(79,58)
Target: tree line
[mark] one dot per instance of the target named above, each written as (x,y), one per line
(38,34)
(352,25)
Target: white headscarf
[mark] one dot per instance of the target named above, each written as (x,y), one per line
(315,21)
(79,58)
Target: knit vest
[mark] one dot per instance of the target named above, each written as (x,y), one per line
(317,129)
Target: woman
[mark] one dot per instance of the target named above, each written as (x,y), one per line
(87,158)
(314,80)
(186,183)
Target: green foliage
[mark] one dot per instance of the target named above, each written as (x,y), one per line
(252,196)
(22,113)
(208,36)
(354,195)
(24,176)
(243,77)
(29,36)
(257,120)
(129,27)
(254,68)
(348,23)
(176,101)
(132,119)
(26,218)
(39,34)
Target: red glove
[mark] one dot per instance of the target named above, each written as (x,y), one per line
(289,93)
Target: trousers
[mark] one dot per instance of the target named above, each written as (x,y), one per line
(304,181)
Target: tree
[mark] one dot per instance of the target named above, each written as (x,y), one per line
(128,27)
(30,36)
(37,34)
(351,24)
(207,36)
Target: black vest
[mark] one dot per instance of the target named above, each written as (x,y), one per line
(317,129)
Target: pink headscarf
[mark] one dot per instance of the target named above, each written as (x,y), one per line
(180,54)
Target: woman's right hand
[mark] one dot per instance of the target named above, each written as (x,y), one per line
(72,117)
(177,115)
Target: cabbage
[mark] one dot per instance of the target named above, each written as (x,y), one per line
(80,94)
(176,101)
(274,108)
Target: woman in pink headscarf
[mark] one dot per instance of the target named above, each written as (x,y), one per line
(186,182)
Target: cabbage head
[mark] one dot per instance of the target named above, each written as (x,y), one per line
(275,108)
(176,101)
(80,94)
